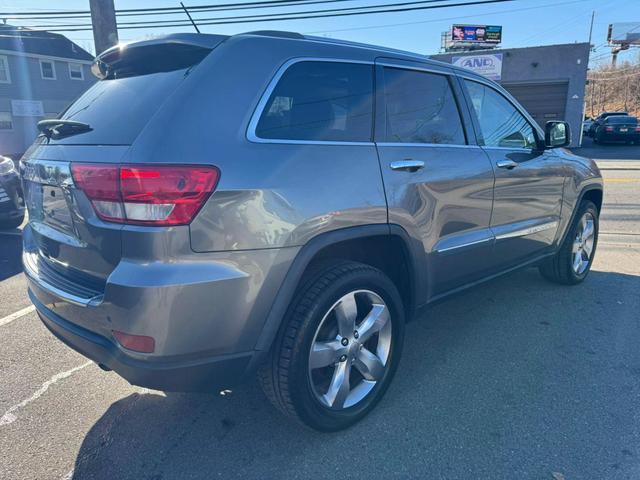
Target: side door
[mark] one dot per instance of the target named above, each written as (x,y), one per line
(529,179)
(438,181)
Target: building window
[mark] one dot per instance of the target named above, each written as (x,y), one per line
(6,122)
(47,70)
(5,76)
(75,71)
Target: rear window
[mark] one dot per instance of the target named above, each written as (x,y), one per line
(320,101)
(628,120)
(118,109)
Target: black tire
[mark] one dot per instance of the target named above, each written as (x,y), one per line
(285,377)
(12,223)
(558,268)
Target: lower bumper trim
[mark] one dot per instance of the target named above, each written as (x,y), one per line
(202,375)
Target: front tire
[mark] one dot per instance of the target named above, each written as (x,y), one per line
(338,348)
(572,263)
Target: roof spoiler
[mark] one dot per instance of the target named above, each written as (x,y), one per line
(161,54)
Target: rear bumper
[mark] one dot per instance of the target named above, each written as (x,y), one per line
(168,374)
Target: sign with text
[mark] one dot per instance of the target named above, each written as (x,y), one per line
(476,34)
(489,66)
(27,108)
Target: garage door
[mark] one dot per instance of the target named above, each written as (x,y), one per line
(543,101)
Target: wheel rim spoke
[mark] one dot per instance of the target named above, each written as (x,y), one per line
(324,354)
(588,248)
(346,313)
(588,231)
(373,322)
(339,387)
(577,261)
(369,365)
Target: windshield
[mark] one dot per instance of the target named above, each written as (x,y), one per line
(631,120)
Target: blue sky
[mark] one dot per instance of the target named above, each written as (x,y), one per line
(525,22)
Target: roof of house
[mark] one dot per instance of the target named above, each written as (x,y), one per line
(38,42)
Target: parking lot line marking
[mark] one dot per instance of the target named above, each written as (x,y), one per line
(10,417)
(16,315)
(622,180)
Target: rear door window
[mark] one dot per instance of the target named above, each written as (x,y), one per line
(420,108)
(320,101)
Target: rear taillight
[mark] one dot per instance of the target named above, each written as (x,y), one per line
(609,129)
(146,195)
(637,129)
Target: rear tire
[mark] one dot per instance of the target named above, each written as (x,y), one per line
(303,379)
(572,263)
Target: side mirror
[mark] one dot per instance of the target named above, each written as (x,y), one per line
(557,134)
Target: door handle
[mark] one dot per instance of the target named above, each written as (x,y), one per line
(407,165)
(506,163)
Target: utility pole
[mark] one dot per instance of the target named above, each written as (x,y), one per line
(593,17)
(105,29)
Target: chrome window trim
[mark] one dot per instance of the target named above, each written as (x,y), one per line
(528,231)
(420,68)
(257,112)
(427,145)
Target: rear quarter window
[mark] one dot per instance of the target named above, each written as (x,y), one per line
(320,101)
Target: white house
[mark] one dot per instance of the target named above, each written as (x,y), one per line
(40,74)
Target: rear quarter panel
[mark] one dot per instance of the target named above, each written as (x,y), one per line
(270,194)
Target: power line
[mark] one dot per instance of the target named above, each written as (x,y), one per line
(386,8)
(157,9)
(388,25)
(172,11)
(271,15)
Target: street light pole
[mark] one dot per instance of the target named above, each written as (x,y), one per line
(105,29)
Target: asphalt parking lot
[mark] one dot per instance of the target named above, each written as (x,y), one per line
(515,379)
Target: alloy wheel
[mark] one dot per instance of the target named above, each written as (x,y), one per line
(583,244)
(350,350)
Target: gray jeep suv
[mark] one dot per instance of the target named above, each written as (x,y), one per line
(216,206)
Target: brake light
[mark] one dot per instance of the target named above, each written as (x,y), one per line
(146,195)
(637,129)
(609,129)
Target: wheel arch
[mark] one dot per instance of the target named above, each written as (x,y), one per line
(344,244)
(593,192)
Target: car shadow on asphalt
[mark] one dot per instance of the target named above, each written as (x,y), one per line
(505,381)
(10,253)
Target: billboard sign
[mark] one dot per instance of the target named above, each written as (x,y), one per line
(489,66)
(625,33)
(476,34)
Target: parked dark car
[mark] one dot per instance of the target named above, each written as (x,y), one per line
(11,200)
(600,118)
(618,129)
(285,204)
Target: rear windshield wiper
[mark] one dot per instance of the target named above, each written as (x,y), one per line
(57,128)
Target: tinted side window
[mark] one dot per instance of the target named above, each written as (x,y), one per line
(501,124)
(421,108)
(320,101)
